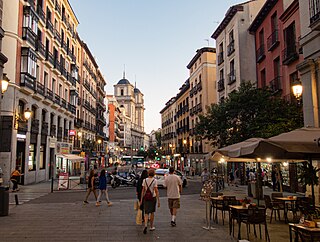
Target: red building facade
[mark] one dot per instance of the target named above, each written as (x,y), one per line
(277,31)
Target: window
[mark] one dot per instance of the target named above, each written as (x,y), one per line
(53,86)
(32,157)
(28,62)
(274,22)
(42,161)
(290,35)
(276,67)
(30,21)
(121,92)
(263,78)
(45,79)
(221,74)
(231,38)
(261,37)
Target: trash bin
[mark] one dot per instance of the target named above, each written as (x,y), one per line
(4,201)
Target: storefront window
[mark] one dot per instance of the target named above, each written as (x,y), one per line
(32,158)
(42,162)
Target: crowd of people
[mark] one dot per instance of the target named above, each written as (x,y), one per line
(147,194)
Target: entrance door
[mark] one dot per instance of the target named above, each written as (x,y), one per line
(21,159)
(52,165)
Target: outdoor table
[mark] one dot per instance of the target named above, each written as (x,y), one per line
(303,231)
(237,210)
(285,200)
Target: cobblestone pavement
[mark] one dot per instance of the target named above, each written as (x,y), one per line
(61,216)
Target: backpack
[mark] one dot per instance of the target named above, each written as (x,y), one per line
(148,196)
(96,182)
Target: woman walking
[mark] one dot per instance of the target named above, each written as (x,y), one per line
(91,187)
(103,188)
(143,176)
(151,197)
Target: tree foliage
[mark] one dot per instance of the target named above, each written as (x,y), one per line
(246,113)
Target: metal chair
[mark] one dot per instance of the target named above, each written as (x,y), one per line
(212,205)
(273,206)
(256,216)
(224,206)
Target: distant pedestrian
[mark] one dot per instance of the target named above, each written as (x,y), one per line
(91,187)
(15,178)
(187,169)
(103,188)
(192,171)
(151,197)
(143,176)
(231,178)
(205,175)
(274,178)
(173,184)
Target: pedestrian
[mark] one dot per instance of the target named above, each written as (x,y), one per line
(187,169)
(143,176)
(231,178)
(91,186)
(279,180)
(205,175)
(173,184)
(151,197)
(192,171)
(15,178)
(274,178)
(103,188)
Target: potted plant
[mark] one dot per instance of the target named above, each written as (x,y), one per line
(308,176)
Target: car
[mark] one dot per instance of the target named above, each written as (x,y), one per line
(160,175)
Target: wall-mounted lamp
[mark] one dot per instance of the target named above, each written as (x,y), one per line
(27,114)
(99,141)
(4,84)
(297,89)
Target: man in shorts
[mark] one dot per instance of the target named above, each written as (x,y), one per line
(173,184)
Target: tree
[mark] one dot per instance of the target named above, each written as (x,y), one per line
(246,113)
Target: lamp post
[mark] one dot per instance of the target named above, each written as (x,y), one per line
(99,145)
(184,151)
(297,89)
(4,84)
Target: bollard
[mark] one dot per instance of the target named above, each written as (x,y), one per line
(16,199)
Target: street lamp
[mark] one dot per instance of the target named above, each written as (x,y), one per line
(27,114)
(4,84)
(297,89)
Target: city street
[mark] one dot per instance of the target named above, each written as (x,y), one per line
(61,216)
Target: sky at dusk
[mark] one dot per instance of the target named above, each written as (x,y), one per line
(153,39)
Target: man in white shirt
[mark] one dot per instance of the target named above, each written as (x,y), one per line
(173,184)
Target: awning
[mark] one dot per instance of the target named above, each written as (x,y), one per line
(71,157)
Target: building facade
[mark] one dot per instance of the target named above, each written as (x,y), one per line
(235,48)
(131,100)
(203,93)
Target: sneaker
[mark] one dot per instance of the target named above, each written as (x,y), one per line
(109,204)
(85,202)
(145,230)
(98,204)
(152,229)
(173,223)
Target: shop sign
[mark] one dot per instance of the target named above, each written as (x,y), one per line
(63,148)
(53,142)
(72,132)
(63,181)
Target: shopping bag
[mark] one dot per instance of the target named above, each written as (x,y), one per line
(139,217)
(136,205)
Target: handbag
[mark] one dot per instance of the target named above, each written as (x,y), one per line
(136,205)
(139,217)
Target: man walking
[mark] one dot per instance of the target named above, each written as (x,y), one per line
(173,184)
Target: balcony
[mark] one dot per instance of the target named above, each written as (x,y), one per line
(71,108)
(260,53)
(87,125)
(22,126)
(64,46)
(78,122)
(65,134)
(27,81)
(57,8)
(29,36)
(220,85)
(40,48)
(273,40)
(275,84)
(63,103)
(57,99)
(57,36)
(86,85)
(49,58)
(41,13)
(231,77)
(230,48)
(49,26)
(40,88)
(53,130)
(220,58)
(290,54)
(57,65)
(314,10)
(44,128)
(49,94)
(35,126)
(31,2)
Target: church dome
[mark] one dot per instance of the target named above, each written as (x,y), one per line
(136,90)
(123,81)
